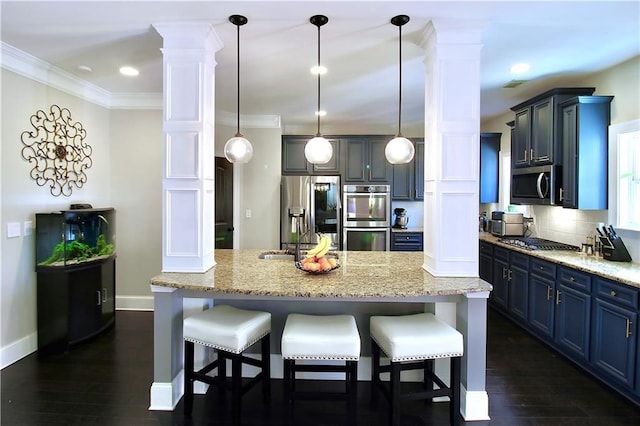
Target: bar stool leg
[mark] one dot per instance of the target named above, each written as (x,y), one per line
(236,388)
(287,383)
(375,372)
(352,390)
(428,378)
(222,375)
(188,377)
(455,391)
(266,369)
(395,394)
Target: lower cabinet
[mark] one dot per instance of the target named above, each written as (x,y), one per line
(542,297)
(573,302)
(510,282)
(74,304)
(614,341)
(591,320)
(406,241)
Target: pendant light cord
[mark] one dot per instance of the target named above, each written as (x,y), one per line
(238,134)
(400,81)
(318,71)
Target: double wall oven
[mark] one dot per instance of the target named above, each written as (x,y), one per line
(366,217)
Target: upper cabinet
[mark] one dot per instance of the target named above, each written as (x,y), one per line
(295,163)
(408,179)
(489,166)
(585,121)
(536,136)
(365,161)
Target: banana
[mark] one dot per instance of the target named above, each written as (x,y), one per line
(325,248)
(317,248)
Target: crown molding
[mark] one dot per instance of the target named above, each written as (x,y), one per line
(29,66)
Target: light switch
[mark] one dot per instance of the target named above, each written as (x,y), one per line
(247,213)
(28,228)
(13,229)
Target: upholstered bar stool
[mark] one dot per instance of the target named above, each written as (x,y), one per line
(319,338)
(230,331)
(413,342)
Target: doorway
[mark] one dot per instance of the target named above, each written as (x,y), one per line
(224,204)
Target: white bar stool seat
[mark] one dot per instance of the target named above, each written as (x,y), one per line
(230,331)
(320,338)
(413,342)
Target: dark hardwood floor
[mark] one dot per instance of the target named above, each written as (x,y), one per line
(106,382)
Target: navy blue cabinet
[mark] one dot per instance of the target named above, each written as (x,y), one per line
(295,163)
(573,316)
(541,297)
(585,124)
(407,176)
(489,166)
(536,137)
(365,161)
(510,282)
(615,317)
(406,241)
(485,265)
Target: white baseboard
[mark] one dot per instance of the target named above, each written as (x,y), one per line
(474,405)
(17,350)
(134,303)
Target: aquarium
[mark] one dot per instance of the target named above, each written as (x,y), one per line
(74,237)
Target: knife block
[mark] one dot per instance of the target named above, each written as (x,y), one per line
(616,251)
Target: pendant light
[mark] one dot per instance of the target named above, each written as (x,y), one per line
(399,150)
(238,149)
(318,150)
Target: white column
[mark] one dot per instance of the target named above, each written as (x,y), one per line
(452,134)
(188,198)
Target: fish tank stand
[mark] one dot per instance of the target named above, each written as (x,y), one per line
(76,276)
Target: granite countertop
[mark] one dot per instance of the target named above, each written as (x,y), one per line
(625,272)
(362,274)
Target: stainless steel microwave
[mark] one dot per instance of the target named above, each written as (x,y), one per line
(536,185)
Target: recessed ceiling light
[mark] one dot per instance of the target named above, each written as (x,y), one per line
(129,71)
(520,68)
(321,113)
(84,68)
(318,69)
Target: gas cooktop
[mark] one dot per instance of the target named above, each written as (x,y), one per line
(532,243)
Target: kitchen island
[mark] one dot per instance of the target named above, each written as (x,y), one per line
(382,277)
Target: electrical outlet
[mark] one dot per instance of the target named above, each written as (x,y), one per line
(247,213)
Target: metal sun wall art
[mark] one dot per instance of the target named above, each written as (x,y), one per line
(57,150)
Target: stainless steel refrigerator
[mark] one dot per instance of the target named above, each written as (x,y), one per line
(310,205)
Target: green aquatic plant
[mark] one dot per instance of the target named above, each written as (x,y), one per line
(80,251)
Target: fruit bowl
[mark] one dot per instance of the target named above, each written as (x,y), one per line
(299,266)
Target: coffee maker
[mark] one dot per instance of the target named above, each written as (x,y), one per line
(402,220)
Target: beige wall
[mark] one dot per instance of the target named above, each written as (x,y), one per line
(22,197)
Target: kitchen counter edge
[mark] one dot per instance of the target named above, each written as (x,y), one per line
(625,272)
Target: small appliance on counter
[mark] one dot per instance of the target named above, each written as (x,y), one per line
(402,220)
(612,246)
(505,224)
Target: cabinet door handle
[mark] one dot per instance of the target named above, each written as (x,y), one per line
(572,279)
(628,332)
(525,155)
(561,194)
(99,297)
(104,294)
(509,276)
(558,297)
(549,292)
(613,293)
(531,154)
(504,273)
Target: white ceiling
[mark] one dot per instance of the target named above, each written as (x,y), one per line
(563,41)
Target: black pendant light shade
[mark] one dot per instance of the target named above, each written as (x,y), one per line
(318,150)
(399,150)
(238,149)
